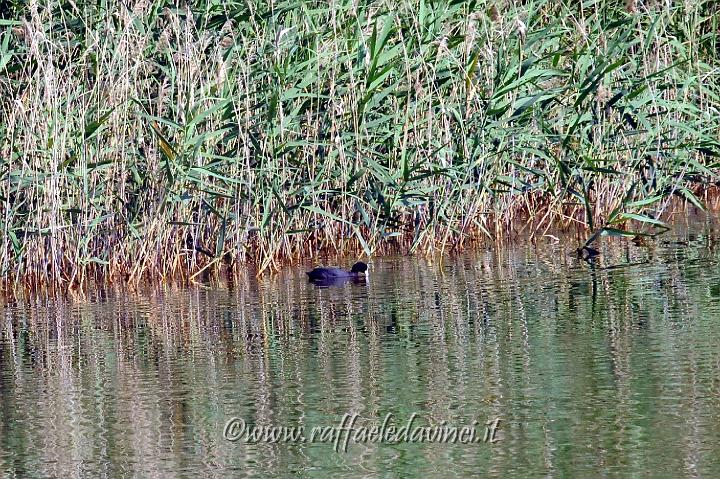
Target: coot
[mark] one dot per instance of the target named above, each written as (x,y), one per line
(359,269)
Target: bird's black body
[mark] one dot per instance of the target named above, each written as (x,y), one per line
(359,270)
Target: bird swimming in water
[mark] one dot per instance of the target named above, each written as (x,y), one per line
(359,270)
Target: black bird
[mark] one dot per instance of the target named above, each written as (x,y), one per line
(359,270)
(587,253)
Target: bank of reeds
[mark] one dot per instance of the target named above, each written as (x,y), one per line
(163,138)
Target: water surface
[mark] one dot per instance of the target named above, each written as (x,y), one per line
(604,369)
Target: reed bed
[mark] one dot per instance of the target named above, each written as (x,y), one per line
(158,138)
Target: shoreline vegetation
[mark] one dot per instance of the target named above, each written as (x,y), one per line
(155,139)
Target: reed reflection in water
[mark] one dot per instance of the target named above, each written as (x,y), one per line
(612,368)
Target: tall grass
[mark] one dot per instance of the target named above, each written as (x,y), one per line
(155,138)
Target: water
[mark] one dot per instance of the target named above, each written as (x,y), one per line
(610,369)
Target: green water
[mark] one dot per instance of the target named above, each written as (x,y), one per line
(609,369)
